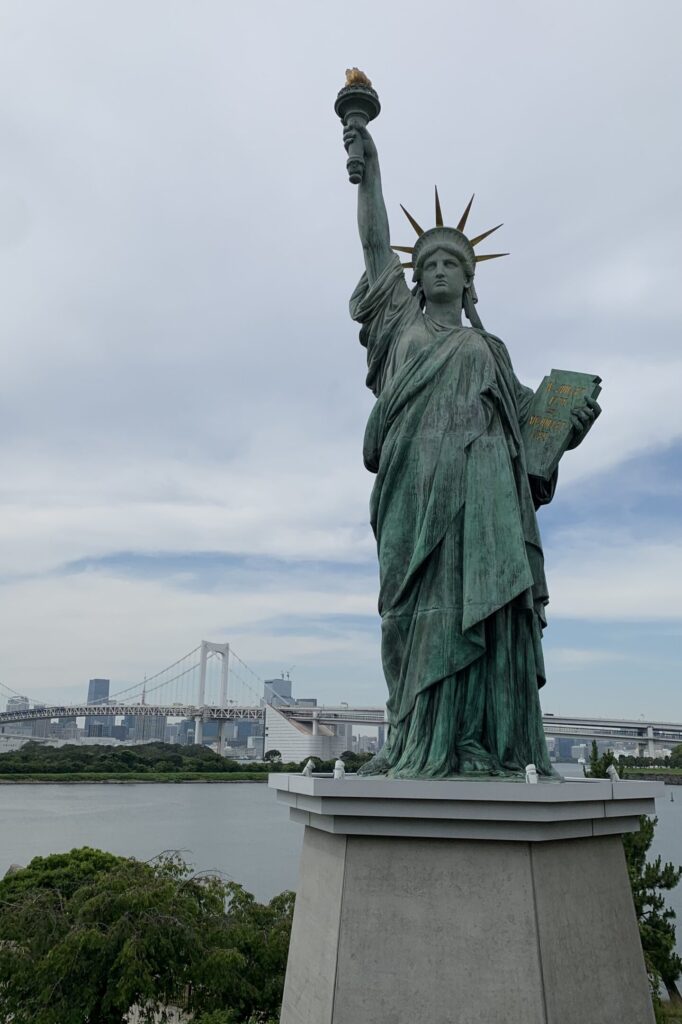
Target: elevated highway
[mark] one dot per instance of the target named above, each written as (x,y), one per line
(647,733)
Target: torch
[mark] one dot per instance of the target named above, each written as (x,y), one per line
(357,104)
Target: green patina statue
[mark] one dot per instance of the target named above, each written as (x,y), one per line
(453,509)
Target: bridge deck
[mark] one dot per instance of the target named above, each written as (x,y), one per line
(555,725)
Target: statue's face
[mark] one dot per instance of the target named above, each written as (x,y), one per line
(442,277)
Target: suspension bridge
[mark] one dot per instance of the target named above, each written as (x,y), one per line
(212,683)
(209,683)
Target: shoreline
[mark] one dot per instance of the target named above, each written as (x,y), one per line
(113,780)
(652,775)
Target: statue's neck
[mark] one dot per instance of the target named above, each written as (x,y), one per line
(447,315)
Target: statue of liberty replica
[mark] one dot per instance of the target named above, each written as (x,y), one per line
(453,508)
(460,901)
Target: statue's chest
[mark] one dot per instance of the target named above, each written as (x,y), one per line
(470,355)
(455,398)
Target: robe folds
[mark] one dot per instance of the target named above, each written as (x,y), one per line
(462,584)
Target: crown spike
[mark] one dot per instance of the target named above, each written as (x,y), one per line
(439,215)
(479,238)
(403,248)
(491,256)
(407,264)
(463,219)
(417,228)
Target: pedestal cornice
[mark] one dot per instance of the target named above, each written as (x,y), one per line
(462,809)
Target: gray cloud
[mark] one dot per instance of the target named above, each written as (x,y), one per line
(177,246)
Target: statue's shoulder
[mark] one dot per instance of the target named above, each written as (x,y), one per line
(496,344)
(388,291)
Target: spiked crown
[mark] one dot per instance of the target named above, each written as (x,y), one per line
(446,237)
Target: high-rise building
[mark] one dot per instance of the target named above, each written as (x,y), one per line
(144,728)
(277,692)
(150,728)
(20,704)
(98,693)
(171,734)
(40,728)
(186,730)
(64,729)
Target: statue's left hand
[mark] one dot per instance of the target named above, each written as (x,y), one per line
(582,417)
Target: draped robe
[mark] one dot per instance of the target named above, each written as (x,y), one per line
(462,585)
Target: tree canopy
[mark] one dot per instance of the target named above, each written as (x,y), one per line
(146,758)
(149,759)
(84,936)
(649,880)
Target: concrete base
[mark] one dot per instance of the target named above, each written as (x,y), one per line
(399,929)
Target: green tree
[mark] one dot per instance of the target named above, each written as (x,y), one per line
(598,765)
(86,935)
(649,881)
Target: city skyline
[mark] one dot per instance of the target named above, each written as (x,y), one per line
(181,455)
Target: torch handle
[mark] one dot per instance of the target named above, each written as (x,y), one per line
(355,164)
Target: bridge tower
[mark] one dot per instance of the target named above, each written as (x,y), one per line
(223,650)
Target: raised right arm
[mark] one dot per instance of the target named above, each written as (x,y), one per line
(372,217)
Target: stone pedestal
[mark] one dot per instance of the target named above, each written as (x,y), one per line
(464,903)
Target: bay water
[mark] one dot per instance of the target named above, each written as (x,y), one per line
(236,829)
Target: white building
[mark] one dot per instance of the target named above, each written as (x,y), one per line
(297,741)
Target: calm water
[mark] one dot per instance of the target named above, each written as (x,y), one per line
(239,830)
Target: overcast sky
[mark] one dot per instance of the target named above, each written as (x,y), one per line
(182,396)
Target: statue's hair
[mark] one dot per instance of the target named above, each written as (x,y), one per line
(444,238)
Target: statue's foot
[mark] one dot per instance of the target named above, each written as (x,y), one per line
(479,766)
(379,765)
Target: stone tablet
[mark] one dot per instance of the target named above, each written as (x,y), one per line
(549,429)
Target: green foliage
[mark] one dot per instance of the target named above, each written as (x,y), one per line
(632,761)
(227,1017)
(649,882)
(140,760)
(86,935)
(667,1013)
(351,760)
(254,775)
(598,765)
(675,759)
(148,762)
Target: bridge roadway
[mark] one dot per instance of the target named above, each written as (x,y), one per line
(231,713)
(638,730)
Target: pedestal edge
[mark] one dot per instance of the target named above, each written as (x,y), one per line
(500,811)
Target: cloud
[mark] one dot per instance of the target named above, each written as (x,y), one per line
(178,373)
(606,577)
(577,657)
(95,623)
